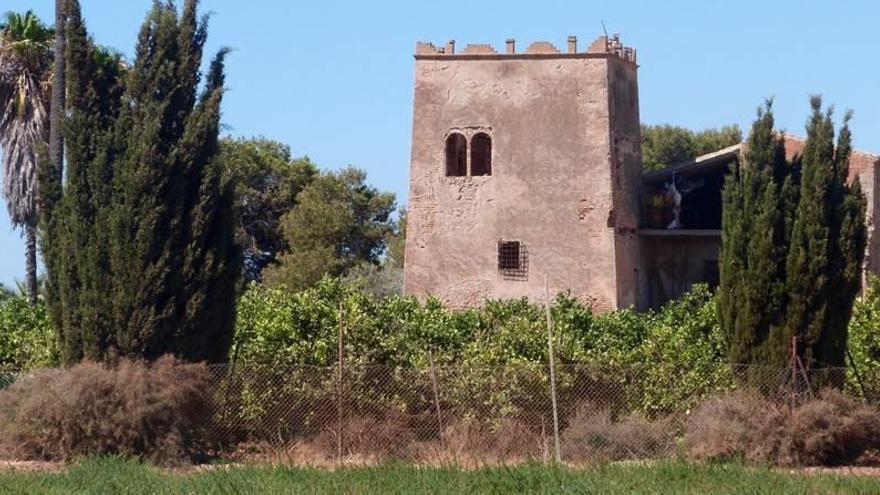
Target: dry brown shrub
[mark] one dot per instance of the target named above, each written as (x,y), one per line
(366,437)
(369,440)
(729,426)
(594,435)
(262,453)
(831,430)
(152,411)
(366,441)
(471,443)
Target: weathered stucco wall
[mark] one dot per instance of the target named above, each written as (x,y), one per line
(626,177)
(559,150)
(864,167)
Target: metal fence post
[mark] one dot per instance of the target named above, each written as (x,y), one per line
(557,453)
(339,379)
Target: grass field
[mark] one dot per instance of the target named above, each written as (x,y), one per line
(124,477)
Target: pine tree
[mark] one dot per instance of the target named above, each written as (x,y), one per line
(139,241)
(793,243)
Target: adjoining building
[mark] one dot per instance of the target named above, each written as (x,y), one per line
(526,179)
(675,259)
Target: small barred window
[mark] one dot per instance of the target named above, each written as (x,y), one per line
(513,260)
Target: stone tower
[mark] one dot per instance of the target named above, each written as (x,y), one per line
(525,169)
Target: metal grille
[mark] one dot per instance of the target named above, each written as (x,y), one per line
(513,260)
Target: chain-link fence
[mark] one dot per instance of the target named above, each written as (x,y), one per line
(7,378)
(479,415)
(482,415)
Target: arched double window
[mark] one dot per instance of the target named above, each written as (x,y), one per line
(481,154)
(456,155)
(457,151)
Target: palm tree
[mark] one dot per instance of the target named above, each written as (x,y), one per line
(25,68)
(18,289)
(6,293)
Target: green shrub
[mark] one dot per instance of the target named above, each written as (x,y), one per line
(864,342)
(494,356)
(380,281)
(680,358)
(27,337)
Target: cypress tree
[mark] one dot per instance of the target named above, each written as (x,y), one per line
(827,246)
(69,243)
(139,243)
(793,242)
(752,291)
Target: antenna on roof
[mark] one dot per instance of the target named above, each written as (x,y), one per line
(604,30)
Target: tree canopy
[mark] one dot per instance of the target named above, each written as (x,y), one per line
(386,278)
(664,145)
(793,242)
(138,240)
(25,68)
(339,222)
(267,182)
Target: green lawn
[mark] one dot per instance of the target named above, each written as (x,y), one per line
(122,477)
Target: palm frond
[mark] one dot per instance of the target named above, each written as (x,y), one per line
(25,27)
(25,61)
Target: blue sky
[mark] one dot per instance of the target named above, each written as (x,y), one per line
(333,79)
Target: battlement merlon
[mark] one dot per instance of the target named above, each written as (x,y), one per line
(600,48)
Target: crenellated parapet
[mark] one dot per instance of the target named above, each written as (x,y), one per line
(613,46)
(602,47)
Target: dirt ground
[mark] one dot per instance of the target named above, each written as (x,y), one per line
(838,471)
(54,467)
(30,466)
